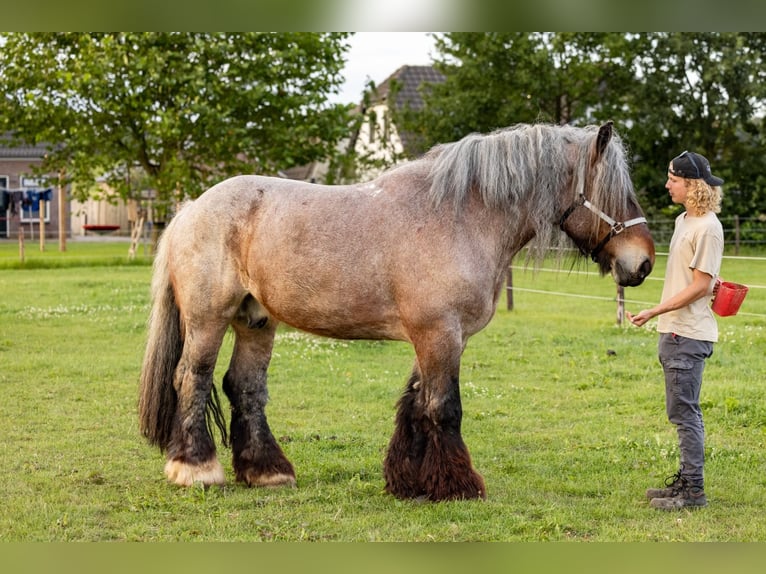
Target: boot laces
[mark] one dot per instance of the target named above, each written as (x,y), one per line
(675,480)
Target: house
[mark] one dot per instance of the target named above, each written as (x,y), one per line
(27,201)
(378,143)
(375,143)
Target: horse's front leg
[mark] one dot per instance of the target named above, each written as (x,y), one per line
(191,454)
(427,457)
(406,449)
(257,458)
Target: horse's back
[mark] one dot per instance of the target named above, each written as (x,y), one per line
(343,261)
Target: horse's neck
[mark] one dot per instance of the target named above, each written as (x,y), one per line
(518,230)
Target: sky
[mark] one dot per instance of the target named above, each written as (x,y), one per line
(376,55)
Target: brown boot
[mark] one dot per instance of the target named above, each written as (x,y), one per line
(673,485)
(691,496)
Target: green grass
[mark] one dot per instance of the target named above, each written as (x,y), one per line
(78,253)
(563,414)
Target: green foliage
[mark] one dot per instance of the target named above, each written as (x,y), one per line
(188,108)
(666,92)
(704,92)
(494,80)
(563,413)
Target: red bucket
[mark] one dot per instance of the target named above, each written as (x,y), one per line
(729,298)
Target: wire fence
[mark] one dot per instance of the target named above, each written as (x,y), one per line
(618,298)
(738,232)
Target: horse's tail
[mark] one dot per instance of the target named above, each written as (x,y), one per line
(158,399)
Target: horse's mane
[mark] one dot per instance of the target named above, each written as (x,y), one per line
(530,164)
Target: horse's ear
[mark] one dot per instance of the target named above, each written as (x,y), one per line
(602,140)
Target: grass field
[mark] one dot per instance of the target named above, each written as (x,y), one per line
(563,414)
(82,253)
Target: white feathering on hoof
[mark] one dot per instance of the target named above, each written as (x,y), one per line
(272,480)
(183,474)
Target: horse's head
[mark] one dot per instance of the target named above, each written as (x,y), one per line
(605,220)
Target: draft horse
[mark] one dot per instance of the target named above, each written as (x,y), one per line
(418,254)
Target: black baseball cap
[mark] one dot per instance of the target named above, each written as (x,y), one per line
(690,165)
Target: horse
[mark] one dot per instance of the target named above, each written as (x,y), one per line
(418,254)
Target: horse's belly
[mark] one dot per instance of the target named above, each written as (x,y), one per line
(340,323)
(348,331)
(336,311)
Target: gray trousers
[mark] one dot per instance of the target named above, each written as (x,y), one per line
(683,361)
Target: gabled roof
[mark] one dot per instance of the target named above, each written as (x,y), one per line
(36,151)
(409,80)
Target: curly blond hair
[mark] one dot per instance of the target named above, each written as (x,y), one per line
(703,197)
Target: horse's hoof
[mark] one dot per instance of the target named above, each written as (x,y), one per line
(272,480)
(460,488)
(443,497)
(404,490)
(185,474)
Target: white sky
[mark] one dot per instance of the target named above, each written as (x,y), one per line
(376,55)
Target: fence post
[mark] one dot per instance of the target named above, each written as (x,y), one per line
(736,235)
(21,243)
(620,304)
(509,287)
(62,212)
(42,224)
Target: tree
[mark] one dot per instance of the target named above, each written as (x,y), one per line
(666,92)
(188,108)
(494,80)
(704,92)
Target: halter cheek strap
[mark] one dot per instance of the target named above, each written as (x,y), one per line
(615,227)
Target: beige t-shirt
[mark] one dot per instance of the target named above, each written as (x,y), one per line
(697,243)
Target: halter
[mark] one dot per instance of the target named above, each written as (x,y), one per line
(615,227)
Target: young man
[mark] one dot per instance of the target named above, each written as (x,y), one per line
(686,323)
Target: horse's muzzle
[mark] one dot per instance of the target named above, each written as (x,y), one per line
(633,276)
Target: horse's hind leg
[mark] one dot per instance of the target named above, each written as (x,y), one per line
(257,458)
(191,451)
(427,457)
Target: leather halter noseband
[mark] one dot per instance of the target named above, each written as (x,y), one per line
(615,227)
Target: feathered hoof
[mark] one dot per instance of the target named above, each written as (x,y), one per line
(184,474)
(268,480)
(462,482)
(440,491)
